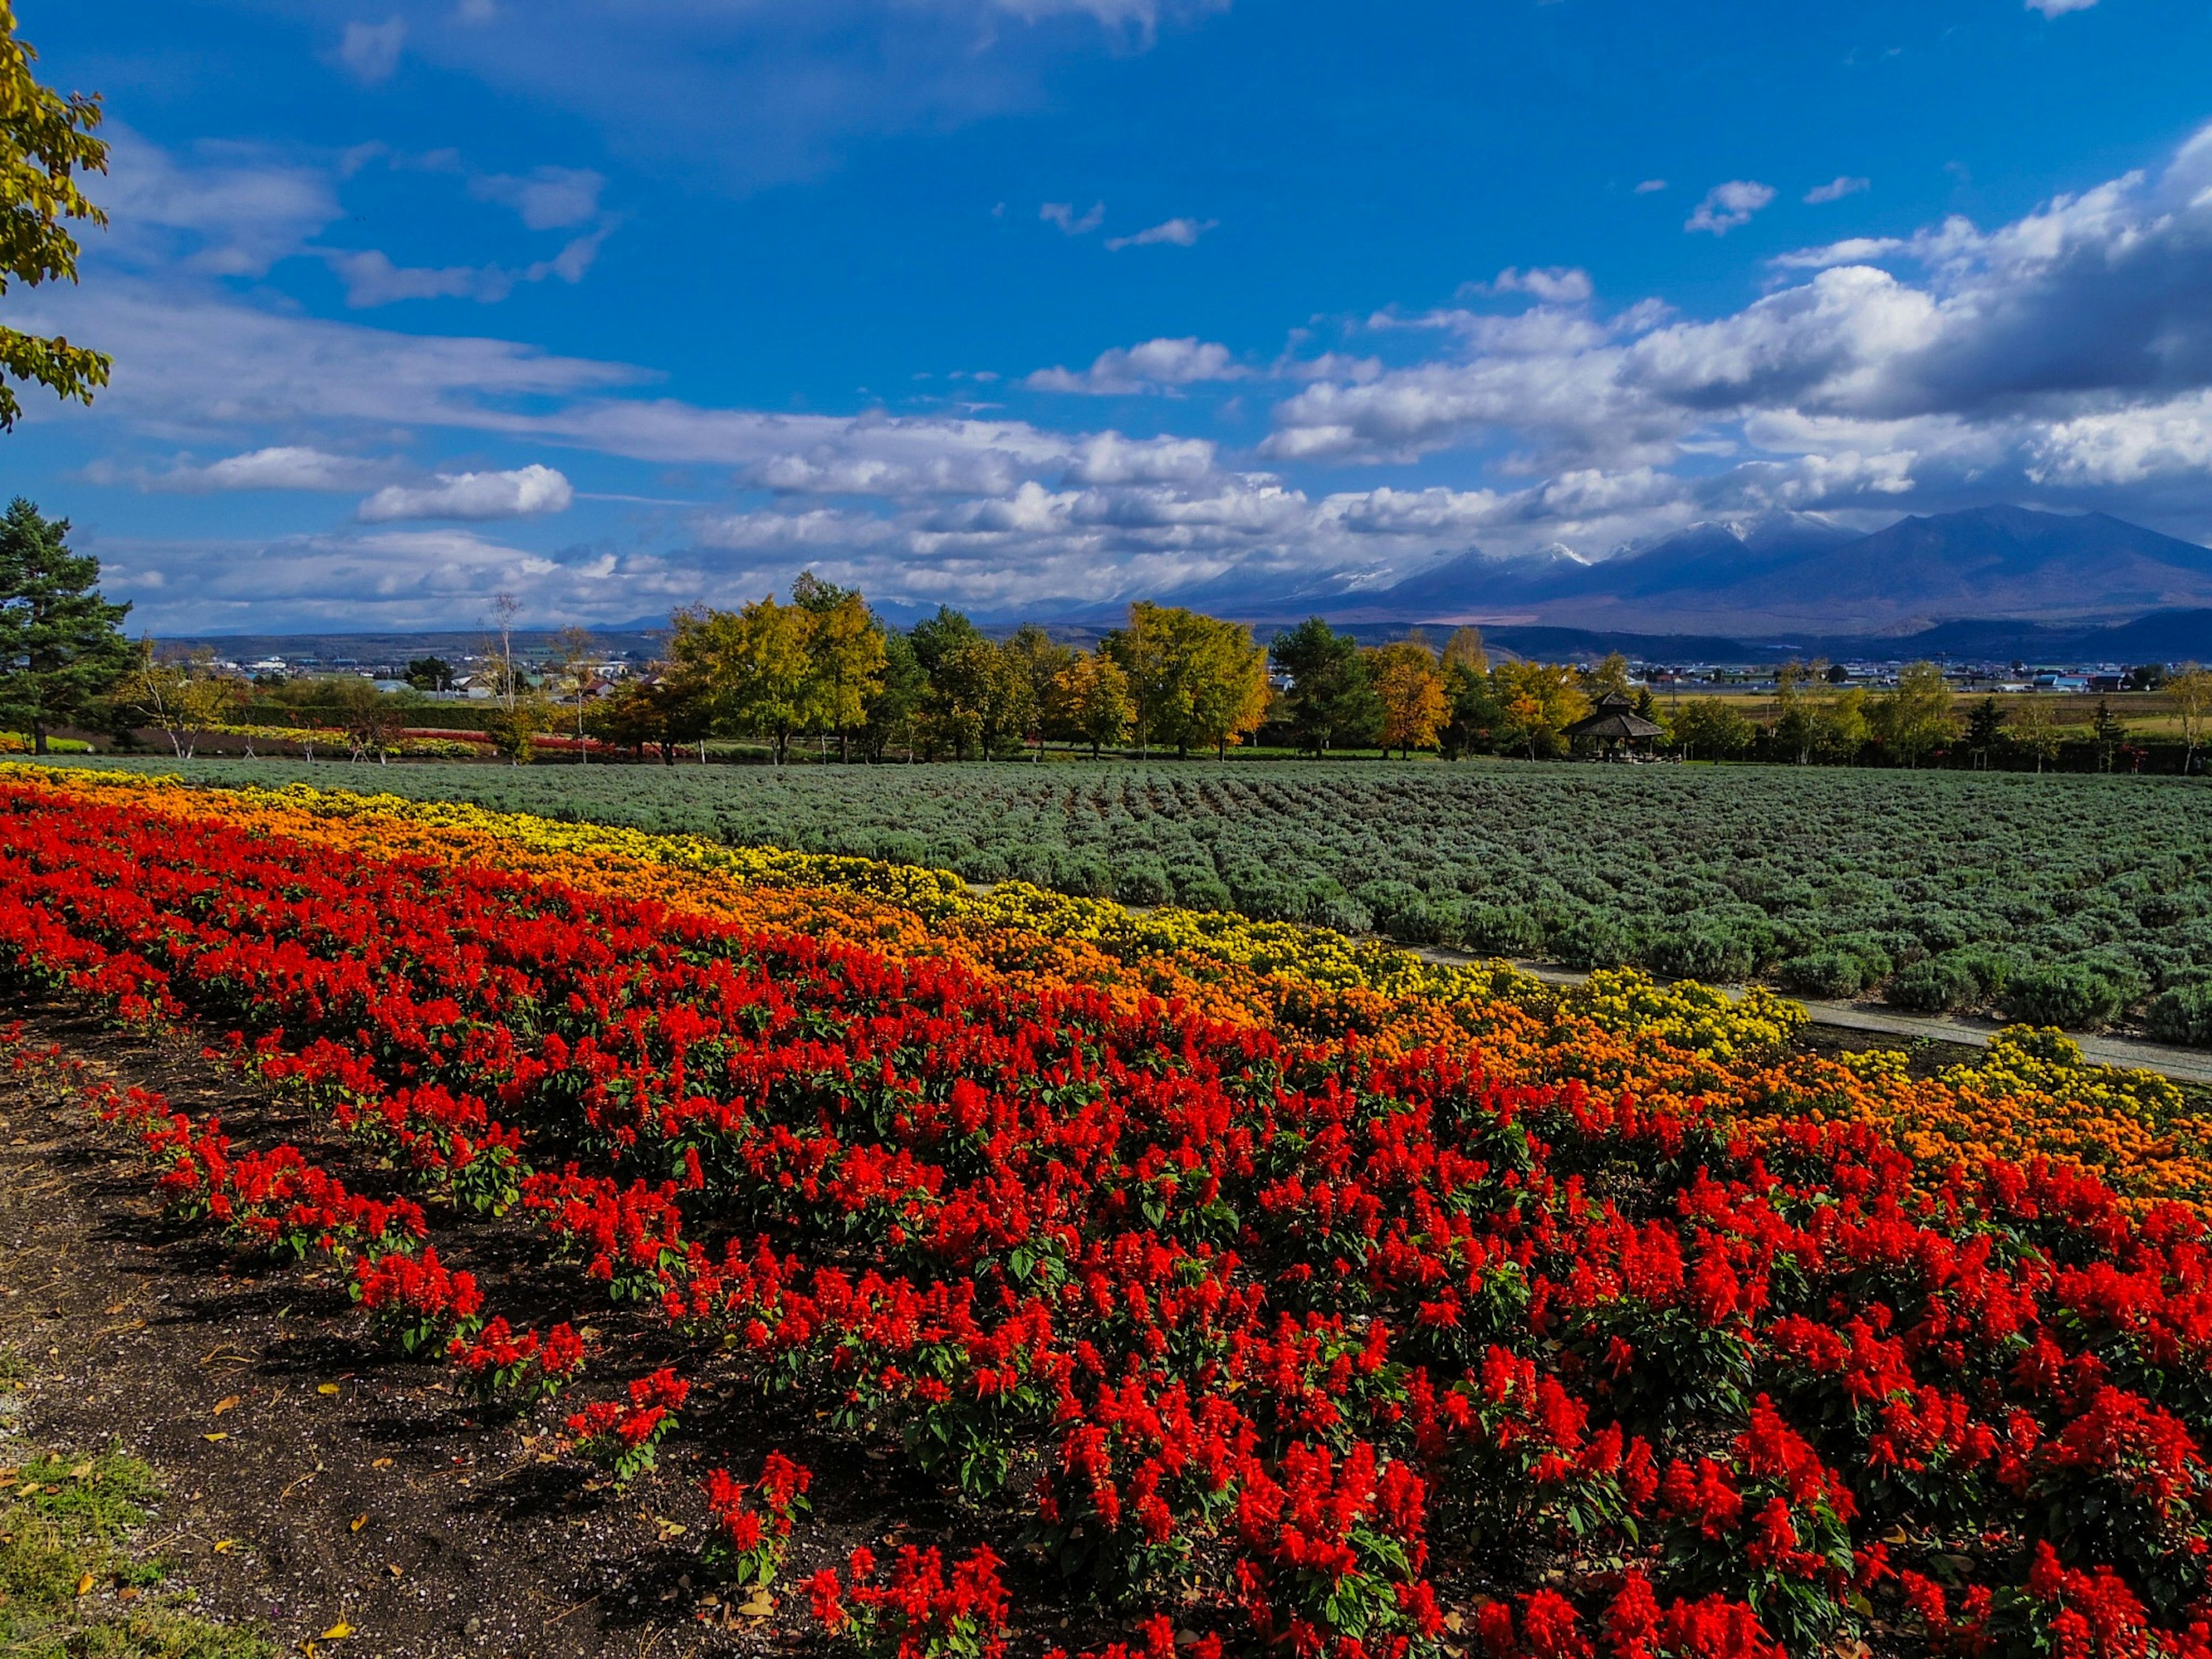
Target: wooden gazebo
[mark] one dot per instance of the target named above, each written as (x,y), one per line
(1614,725)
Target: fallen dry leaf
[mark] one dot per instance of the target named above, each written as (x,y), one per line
(81,1471)
(225,1544)
(26,1489)
(84,1585)
(337,1632)
(761,1607)
(212,1439)
(228,1403)
(393,1567)
(381,1463)
(326,1388)
(359,1521)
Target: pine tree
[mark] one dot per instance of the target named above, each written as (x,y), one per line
(61,642)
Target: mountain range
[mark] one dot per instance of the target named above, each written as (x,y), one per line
(1794,574)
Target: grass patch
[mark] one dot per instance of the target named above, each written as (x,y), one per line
(71,1585)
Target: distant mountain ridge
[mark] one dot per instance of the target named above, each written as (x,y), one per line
(1793,572)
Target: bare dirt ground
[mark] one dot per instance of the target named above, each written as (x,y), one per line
(313,1480)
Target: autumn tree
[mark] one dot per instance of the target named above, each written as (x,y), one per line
(1611,674)
(1471,708)
(2191,692)
(1036,660)
(573,675)
(1194,681)
(183,695)
(1538,701)
(754,667)
(2034,731)
(1091,701)
(1711,728)
(667,711)
(61,642)
(1465,651)
(371,722)
(1914,718)
(46,141)
(845,653)
(1410,686)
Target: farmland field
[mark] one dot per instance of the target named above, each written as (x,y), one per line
(1331,1305)
(2069,900)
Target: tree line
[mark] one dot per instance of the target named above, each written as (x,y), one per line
(822,664)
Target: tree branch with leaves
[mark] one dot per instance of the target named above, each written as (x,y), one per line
(46,141)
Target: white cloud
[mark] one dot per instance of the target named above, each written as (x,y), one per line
(371,51)
(1650,186)
(282,466)
(1108,457)
(1558,285)
(822,530)
(524,493)
(229,210)
(1726,206)
(372,279)
(2058,8)
(1151,366)
(2169,440)
(1176,233)
(834,469)
(547,198)
(1063,214)
(1836,189)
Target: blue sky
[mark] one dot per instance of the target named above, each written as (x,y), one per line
(619,304)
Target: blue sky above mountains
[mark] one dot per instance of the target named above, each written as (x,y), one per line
(617,304)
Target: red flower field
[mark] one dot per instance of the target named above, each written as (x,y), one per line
(1268,1340)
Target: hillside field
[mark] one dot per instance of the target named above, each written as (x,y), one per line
(2077,900)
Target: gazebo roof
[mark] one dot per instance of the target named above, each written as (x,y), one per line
(1616,723)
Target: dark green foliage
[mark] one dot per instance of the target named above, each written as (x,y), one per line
(61,642)
(1829,973)
(2182,1014)
(1333,701)
(2080,993)
(1933,985)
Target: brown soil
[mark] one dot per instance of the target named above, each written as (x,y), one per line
(314,1479)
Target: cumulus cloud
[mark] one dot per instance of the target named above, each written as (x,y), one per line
(524,493)
(1836,189)
(1651,185)
(1063,214)
(371,51)
(1108,457)
(2059,7)
(1726,206)
(1154,365)
(1174,233)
